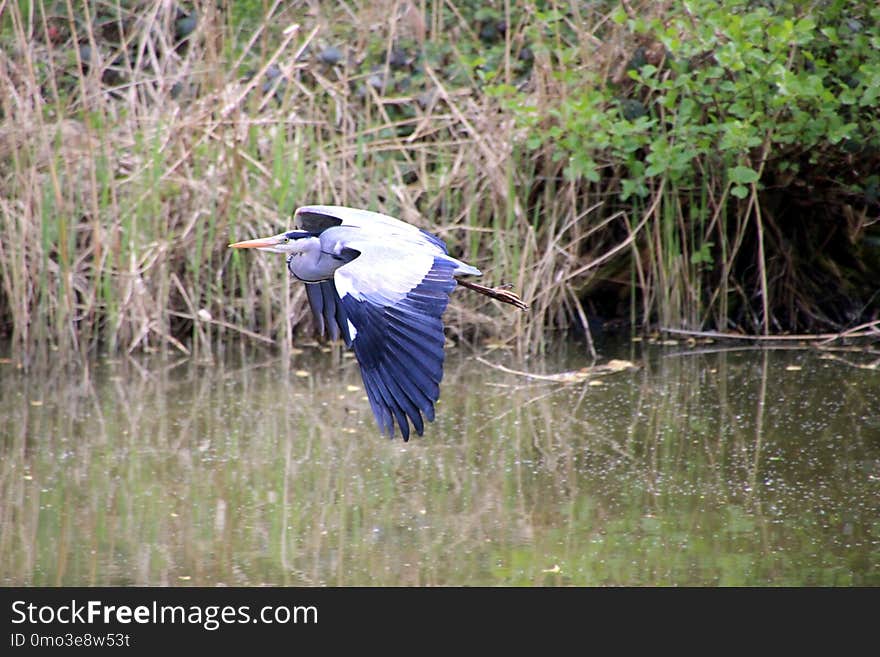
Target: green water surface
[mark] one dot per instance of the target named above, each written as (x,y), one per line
(726,467)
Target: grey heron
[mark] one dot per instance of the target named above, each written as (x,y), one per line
(382,285)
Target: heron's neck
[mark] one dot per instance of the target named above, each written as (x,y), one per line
(307,262)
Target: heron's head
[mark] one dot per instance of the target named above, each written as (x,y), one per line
(293,241)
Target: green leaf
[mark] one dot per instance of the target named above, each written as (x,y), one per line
(703,255)
(742,175)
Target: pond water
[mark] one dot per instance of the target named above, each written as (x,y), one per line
(700,466)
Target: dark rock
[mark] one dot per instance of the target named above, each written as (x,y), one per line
(330,56)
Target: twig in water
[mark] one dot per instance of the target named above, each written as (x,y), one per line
(856,332)
(574,376)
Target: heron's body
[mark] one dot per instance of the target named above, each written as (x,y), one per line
(381,285)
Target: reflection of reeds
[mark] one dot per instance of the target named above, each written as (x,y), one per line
(145,472)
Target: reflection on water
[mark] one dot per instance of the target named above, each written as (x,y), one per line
(731,468)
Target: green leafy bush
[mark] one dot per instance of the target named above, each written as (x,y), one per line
(716,100)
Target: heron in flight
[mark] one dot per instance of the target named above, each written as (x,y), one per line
(381,285)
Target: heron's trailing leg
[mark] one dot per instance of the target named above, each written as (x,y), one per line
(498,293)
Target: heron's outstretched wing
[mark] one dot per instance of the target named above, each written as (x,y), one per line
(394,301)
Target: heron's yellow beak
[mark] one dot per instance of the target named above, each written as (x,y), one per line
(260,243)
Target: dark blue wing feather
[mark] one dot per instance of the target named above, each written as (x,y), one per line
(328,311)
(400,349)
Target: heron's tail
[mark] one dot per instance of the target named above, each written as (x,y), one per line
(499,293)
